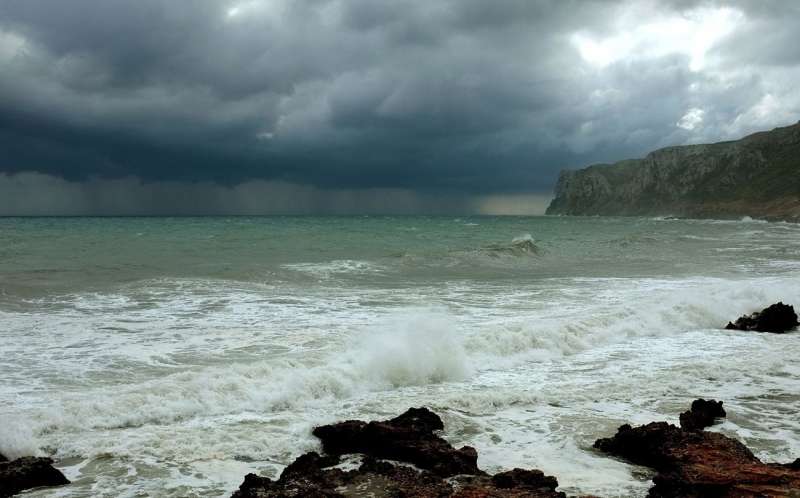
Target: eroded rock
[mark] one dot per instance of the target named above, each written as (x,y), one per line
(694,464)
(407,438)
(777,318)
(26,473)
(306,477)
(701,415)
(438,470)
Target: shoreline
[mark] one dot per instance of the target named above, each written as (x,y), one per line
(404,456)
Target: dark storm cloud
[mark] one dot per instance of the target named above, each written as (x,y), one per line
(457,99)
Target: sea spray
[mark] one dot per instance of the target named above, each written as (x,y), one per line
(416,347)
(17,439)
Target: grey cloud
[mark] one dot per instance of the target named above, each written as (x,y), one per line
(453,98)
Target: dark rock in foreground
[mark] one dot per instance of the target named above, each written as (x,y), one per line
(695,464)
(690,463)
(439,469)
(776,318)
(26,473)
(308,477)
(407,438)
(701,415)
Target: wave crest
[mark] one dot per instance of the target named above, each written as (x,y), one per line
(522,245)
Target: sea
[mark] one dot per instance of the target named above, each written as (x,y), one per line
(169,357)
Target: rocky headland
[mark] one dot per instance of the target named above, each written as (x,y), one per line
(757,176)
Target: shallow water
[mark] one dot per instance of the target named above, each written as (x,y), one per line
(171,356)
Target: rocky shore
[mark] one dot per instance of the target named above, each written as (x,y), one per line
(403,457)
(406,457)
(691,463)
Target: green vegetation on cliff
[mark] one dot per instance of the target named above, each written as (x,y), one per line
(756,176)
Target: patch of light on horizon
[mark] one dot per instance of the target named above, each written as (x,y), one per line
(692,119)
(694,33)
(513,204)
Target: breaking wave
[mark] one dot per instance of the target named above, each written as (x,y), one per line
(522,245)
(419,348)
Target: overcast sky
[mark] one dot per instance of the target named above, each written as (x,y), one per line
(251,106)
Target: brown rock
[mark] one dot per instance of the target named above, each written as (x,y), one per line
(440,470)
(694,464)
(306,478)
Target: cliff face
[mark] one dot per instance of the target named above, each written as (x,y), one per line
(756,176)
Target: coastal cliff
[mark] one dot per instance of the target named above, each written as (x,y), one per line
(757,176)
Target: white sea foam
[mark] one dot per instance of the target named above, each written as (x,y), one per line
(331,269)
(17,439)
(418,348)
(521,239)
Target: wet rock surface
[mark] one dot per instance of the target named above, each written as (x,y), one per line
(403,457)
(694,464)
(379,478)
(437,469)
(407,438)
(26,473)
(776,318)
(702,414)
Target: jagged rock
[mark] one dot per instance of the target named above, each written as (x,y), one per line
(26,473)
(407,438)
(521,478)
(701,415)
(308,477)
(776,318)
(755,176)
(695,464)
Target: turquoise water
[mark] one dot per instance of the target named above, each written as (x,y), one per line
(171,356)
(41,256)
